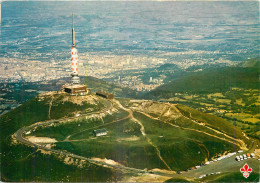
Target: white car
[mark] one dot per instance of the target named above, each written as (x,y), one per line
(245,156)
(237,159)
(252,155)
(202,176)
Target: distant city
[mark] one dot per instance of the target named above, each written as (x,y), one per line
(121,45)
(100,66)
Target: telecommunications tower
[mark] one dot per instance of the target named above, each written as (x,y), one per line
(74,58)
(74,88)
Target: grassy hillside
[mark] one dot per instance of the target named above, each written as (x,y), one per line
(208,81)
(98,84)
(228,92)
(177,180)
(127,148)
(141,134)
(212,121)
(180,148)
(253,62)
(22,163)
(37,109)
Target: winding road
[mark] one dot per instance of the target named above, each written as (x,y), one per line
(19,135)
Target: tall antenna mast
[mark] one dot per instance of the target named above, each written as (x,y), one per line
(73,32)
(75,88)
(74,57)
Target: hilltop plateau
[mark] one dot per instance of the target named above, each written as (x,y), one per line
(15,94)
(50,138)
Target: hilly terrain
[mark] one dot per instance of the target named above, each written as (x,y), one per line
(209,81)
(228,92)
(50,138)
(253,62)
(15,94)
(22,91)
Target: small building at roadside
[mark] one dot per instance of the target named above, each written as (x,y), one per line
(105,94)
(100,132)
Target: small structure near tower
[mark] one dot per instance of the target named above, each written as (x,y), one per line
(74,88)
(105,94)
(100,132)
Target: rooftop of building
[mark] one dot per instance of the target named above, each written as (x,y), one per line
(103,130)
(75,86)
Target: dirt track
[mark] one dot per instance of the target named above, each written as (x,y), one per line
(19,135)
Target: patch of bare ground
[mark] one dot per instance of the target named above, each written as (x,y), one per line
(49,146)
(14,140)
(91,99)
(47,94)
(34,139)
(133,138)
(107,161)
(76,162)
(147,177)
(138,101)
(257,152)
(44,151)
(163,171)
(157,108)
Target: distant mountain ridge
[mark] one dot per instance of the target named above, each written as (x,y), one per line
(253,62)
(168,66)
(245,75)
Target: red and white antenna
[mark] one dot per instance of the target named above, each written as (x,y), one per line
(74,57)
